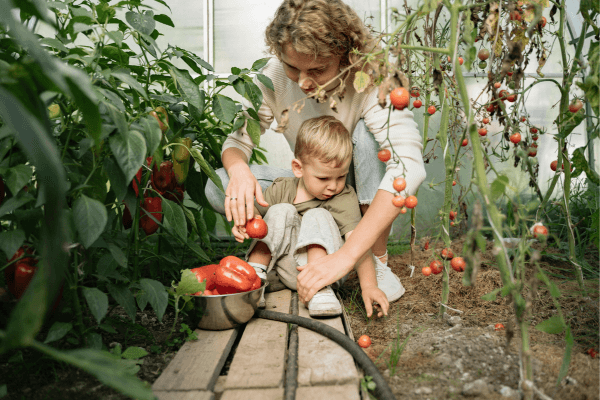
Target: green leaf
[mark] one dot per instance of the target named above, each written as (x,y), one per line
(105,367)
(152,133)
(17,177)
(491,296)
(134,353)
(116,36)
(253,94)
(187,87)
(97,301)
(581,164)
(131,81)
(164,19)
(143,23)
(499,186)
(253,129)
(265,80)
(189,284)
(564,368)
(552,325)
(129,151)
(224,108)
(361,81)
(118,255)
(90,219)
(57,331)
(10,241)
(119,119)
(205,166)
(124,298)
(569,122)
(197,249)
(157,296)
(174,220)
(15,202)
(258,64)
(81,90)
(116,178)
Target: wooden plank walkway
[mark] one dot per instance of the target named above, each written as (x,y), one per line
(257,368)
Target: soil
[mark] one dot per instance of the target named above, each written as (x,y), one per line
(420,354)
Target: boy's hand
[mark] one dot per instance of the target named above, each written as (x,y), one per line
(373,295)
(239,232)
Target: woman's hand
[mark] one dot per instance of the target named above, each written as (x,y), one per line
(322,272)
(240,193)
(375,300)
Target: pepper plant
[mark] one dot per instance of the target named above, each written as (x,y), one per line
(106,143)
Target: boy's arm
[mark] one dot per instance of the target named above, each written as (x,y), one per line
(365,267)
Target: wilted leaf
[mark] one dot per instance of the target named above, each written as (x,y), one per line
(361,81)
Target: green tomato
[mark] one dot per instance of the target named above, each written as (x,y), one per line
(482,64)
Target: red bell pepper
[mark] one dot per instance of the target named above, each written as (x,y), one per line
(163,177)
(23,275)
(234,276)
(207,273)
(9,272)
(127,218)
(153,205)
(257,283)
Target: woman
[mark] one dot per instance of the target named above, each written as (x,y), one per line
(312,41)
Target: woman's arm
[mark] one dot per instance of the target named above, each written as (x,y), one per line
(328,269)
(242,187)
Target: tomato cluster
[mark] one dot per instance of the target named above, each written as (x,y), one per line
(231,275)
(436,266)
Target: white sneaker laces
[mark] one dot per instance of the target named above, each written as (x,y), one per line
(380,267)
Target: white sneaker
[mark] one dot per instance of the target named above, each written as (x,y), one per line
(387,281)
(261,271)
(324,304)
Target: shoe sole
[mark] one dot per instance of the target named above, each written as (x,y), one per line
(325,313)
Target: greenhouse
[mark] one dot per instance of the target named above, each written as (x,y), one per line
(294,199)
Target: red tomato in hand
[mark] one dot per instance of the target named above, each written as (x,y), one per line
(364,341)
(257,228)
(399,98)
(398,201)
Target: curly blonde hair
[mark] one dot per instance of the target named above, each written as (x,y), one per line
(322,28)
(325,139)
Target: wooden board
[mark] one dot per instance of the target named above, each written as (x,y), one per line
(184,395)
(253,394)
(198,363)
(321,361)
(259,360)
(343,392)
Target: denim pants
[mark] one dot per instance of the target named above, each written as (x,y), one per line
(366,171)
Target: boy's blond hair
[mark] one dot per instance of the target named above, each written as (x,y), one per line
(323,138)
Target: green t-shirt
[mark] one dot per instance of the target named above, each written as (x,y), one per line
(343,206)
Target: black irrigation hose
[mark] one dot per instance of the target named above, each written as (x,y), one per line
(291,376)
(382,389)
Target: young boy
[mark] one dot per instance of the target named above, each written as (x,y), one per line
(308,215)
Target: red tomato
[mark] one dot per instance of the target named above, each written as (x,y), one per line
(460,60)
(414,92)
(426,271)
(482,131)
(453,183)
(257,228)
(364,341)
(411,202)
(498,327)
(554,165)
(515,137)
(399,184)
(483,54)
(497,85)
(452,215)
(447,253)
(486,120)
(403,210)
(465,142)
(384,155)
(523,119)
(532,152)
(399,201)
(542,22)
(431,109)
(512,97)
(458,264)
(533,130)
(417,103)
(575,106)
(399,98)
(436,267)
(490,108)
(540,230)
